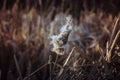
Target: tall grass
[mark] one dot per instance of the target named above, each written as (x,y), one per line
(45,45)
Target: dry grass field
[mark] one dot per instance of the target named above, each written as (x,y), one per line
(59,40)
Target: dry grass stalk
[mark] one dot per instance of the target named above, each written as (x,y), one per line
(68,57)
(18,67)
(112,42)
(41,67)
(35,71)
(61,71)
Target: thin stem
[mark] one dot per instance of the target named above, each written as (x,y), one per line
(17,66)
(111,48)
(68,57)
(35,71)
(50,71)
(55,62)
(62,69)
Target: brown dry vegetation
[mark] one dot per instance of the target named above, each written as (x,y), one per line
(92,51)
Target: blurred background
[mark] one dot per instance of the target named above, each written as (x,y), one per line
(25,28)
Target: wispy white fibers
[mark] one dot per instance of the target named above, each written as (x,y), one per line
(60,40)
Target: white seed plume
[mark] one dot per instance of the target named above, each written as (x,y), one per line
(60,40)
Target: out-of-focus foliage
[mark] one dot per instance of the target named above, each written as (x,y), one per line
(26,27)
